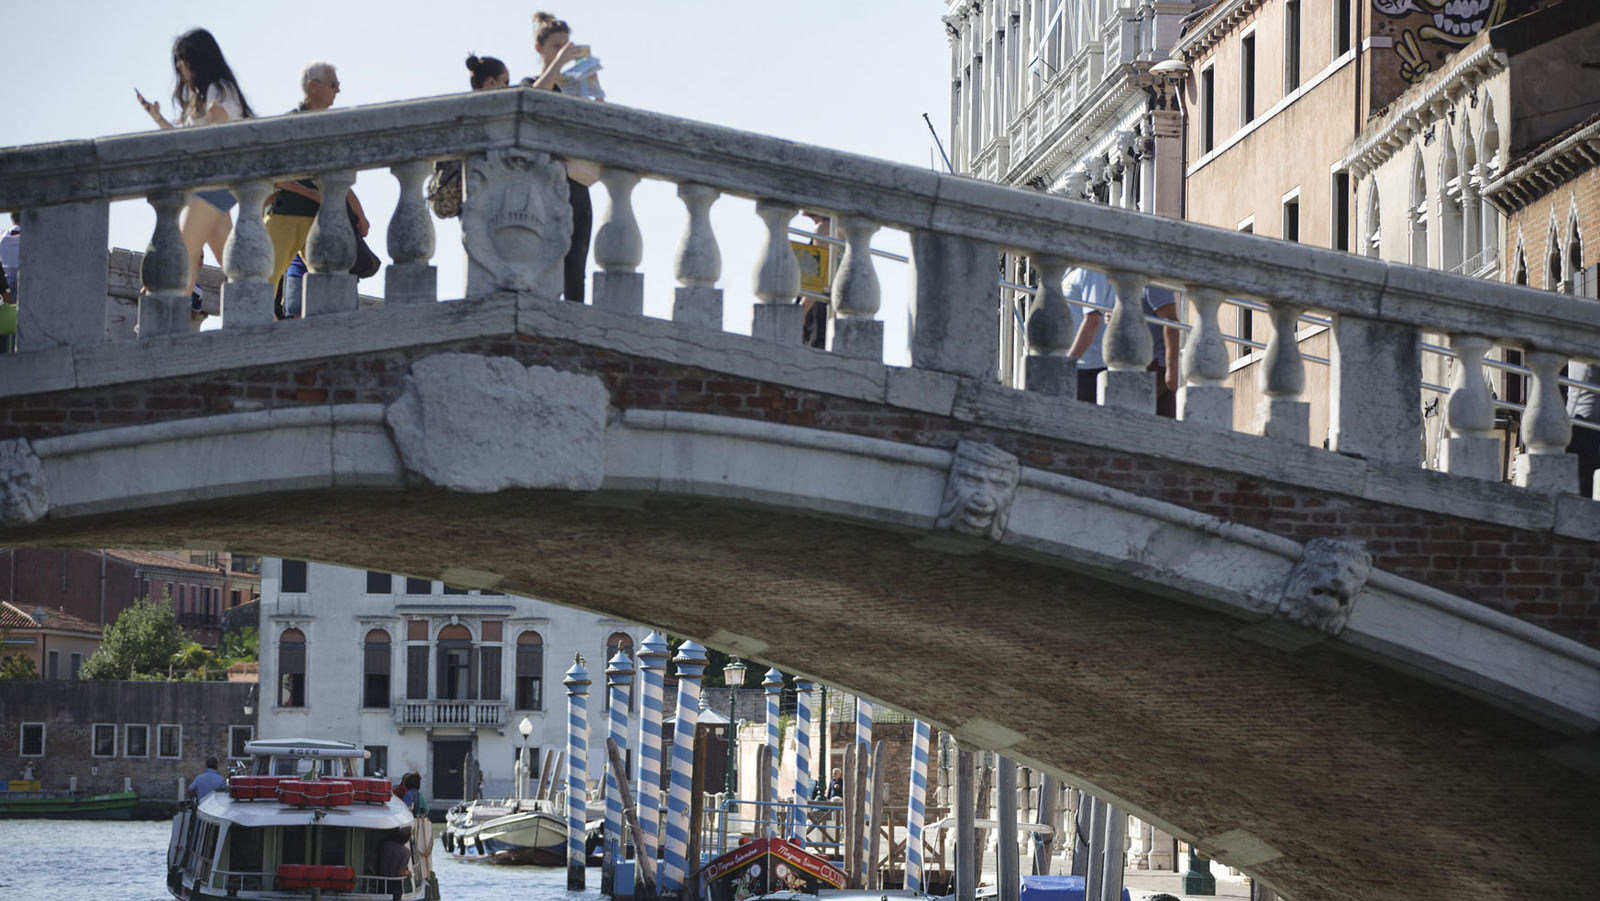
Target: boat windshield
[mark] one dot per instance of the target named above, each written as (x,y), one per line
(333,767)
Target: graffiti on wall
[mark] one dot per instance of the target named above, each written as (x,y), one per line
(1451,23)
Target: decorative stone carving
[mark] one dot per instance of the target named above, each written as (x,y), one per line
(516,224)
(22,496)
(979,490)
(483,424)
(1323,586)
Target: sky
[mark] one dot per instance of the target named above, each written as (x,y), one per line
(854,75)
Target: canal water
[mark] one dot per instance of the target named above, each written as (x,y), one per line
(102,860)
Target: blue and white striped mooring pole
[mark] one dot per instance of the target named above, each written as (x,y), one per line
(619,677)
(773,684)
(691,661)
(864,764)
(577,683)
(652,675)
(916,804)
(802,756)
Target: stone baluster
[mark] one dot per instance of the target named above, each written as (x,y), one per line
(1203,396)
(1283,377)
(856,331)
(777,317)
(953,299)
(699,265)
(331,250)
(619,247)
(411,278)
(1546,430)
(1469,414)
(164,305)
(1375,403)
(1127,382)
(1047,369)
(247,260)
(62,269)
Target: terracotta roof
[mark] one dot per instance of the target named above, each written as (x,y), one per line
(153,559)
(16,617)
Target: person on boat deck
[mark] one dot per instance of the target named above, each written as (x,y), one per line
(415,802)
(208,781)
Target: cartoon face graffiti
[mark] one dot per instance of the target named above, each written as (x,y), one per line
(1454,21)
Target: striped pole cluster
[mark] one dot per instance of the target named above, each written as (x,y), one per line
(577,683)
(773,683)
(864,762)
(802,754)
(619,678)
(691,661)
(916,805)
(652,676)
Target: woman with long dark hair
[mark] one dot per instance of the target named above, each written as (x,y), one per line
(205,93)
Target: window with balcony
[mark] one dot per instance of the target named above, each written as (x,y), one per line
(294,577)
(530,671)
(375,682)
(458,664)
(292,668)
(417,660)
(489,657)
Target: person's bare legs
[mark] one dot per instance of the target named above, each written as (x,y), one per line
(198,222)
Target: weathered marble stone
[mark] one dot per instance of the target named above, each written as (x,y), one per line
(979,490)
(515,223)
(1323,586)
(483,424)
(22,496)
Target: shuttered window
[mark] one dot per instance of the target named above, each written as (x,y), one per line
(417,672)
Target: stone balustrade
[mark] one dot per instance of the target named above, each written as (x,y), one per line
(514,231)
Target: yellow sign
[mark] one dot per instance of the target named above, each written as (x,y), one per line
(23,785)
(814,270)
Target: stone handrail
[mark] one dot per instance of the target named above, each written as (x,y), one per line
(958,226)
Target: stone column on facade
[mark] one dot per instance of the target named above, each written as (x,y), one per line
(855,330)
(619,247)
(247,295)
(698,300)
(164,305)
(411,277)
(1469,414)
(1282,413)
(1546,431)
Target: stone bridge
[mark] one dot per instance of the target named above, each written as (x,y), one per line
(1345,674)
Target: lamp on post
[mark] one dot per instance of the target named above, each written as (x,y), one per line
(526,728)
(733,677)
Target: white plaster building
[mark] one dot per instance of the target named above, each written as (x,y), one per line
(430,678)
(1058,95)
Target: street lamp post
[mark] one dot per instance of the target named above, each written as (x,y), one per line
(526,728)
(733,677)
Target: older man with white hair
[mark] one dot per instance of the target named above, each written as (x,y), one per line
(295,204)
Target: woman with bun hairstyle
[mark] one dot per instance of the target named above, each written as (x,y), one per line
(552,39)
(487,72)
(206,93)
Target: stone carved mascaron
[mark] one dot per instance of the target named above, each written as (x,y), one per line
(1323,586)
(484,424)
(22,496)
(516,224)
(979,490)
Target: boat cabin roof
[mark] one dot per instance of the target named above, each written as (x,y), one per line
(303,747)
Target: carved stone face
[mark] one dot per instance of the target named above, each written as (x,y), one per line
(979,491)
(1325,583)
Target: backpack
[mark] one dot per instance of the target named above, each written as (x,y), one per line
(444,189)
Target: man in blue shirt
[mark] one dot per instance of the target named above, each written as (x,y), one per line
(1092,286)
(208,781)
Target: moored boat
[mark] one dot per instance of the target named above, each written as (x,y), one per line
(67,805)
(300,822)
(517,833)
(766,866)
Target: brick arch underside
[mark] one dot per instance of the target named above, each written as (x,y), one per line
(1369,784)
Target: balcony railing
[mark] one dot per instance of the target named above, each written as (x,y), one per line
(511,138)
(450,713)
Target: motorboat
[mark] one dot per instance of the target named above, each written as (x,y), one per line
(507,832)
(768,866)
(299,821)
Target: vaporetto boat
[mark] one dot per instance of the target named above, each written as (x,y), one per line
(300,822)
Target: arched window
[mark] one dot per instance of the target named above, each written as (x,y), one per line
(1417,212)
(1552,261)
(1450,213)
(1489,169)
(375,669)
(1574,271)
(292,668)
(530,671)
(458,664)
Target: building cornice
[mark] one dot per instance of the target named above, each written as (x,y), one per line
(1535,176)
(1421,106)
(1068,138)
(1211,29)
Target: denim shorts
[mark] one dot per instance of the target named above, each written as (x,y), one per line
(221,198)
